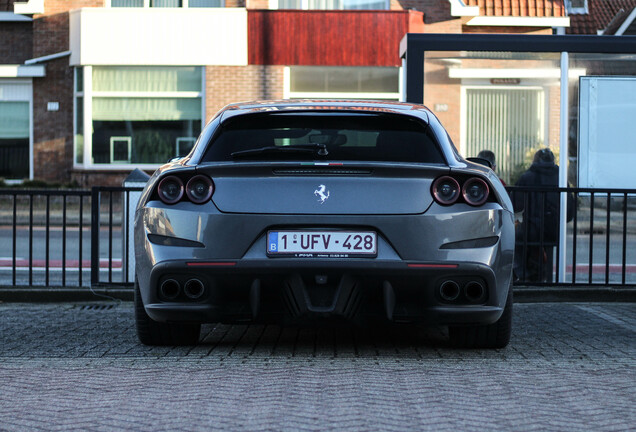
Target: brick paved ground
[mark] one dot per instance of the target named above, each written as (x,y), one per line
(69,366)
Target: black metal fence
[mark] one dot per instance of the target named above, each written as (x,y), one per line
(111,235)
(64,237)
(81,237)
(30,221)
(599,239)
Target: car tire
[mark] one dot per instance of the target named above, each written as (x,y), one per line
(151,332)
(495,335)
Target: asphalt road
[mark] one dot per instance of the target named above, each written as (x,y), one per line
(79,366)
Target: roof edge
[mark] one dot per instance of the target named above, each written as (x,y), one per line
(519,21)
(13,17)
(628,21)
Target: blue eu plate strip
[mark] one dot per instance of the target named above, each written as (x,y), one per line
(273,241)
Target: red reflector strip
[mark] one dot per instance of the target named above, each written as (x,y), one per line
(211,264)
(433,265)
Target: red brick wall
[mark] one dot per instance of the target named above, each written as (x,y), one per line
(16,42)
(52,7)
(439,89)
(53,130)
(90,178)
(228,84)
(51,29)
(7,5)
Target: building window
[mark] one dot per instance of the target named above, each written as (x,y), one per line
(140,115)
(14,140)
(166,3)
(16,144)
(574,7)
(205,3)
(511,122)
(330,4)
(79,115)
(127,3)
(343,82)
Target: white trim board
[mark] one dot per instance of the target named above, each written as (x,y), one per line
(511,73)
(29,7)
(21,71)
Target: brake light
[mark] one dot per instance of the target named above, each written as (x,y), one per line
(446,190)
(170,189)
(475,191)
(199,189)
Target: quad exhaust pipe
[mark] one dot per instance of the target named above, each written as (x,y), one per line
(449,290)
(473,291)
(193,289)
(170,289)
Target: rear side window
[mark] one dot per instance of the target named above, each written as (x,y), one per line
(324,136)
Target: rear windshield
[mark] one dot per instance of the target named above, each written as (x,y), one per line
(324,136)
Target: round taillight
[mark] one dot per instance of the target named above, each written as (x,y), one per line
(170,189)
(446,190)
(475,191)
(199,189)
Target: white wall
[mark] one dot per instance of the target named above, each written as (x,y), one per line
(158,36)
(607,132)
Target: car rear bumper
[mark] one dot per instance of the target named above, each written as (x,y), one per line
(282,290)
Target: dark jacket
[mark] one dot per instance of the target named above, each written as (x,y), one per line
(541,209)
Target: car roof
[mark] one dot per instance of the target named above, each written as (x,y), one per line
(309,105)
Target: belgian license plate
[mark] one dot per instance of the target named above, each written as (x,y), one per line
(322,244)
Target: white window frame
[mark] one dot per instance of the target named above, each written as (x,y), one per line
(288,94)
(28,98)
(128,141)
(87,97)
(273,4)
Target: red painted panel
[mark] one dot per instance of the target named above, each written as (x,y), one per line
(328,38)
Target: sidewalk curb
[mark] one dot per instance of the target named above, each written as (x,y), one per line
(63,295)
(521,294)
(528,294)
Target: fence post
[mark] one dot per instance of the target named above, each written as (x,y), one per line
(136,179)
(94,235)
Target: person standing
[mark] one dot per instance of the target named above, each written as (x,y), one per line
(538,233)
(490,157)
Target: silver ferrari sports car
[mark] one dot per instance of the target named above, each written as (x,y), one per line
(296,211)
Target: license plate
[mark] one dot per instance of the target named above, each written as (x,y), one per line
(322,244)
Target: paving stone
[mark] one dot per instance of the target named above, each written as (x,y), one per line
(65,367)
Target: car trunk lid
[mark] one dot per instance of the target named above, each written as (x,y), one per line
(329,190)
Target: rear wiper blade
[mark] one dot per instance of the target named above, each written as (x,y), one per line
(279,149)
